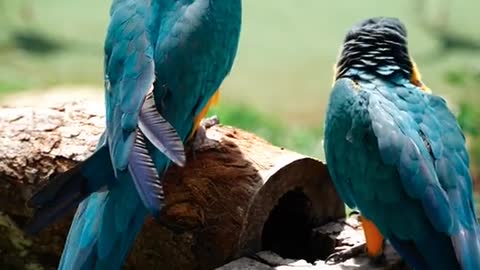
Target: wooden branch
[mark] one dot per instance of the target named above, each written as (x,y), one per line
(232,199)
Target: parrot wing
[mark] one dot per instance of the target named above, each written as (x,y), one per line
(445,141)
(417,133)
(131,113)
(334,152)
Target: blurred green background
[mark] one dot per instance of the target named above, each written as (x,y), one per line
(282,76)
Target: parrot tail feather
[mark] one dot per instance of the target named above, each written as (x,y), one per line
(465,236)
(68,189)
(145,176)
(467,247)
(160,133)
(104,228)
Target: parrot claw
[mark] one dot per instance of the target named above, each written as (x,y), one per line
(346,254)
(201,141)
(343,255)
(210,122)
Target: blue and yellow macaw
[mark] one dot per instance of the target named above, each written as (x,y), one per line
(164,63)
(396,152)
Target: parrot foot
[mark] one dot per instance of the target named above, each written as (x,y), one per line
(352,252)
(346,254)
(209,122)
(201,141)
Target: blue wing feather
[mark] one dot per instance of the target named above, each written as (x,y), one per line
(335,122)
(411,142)
(160,133)
(452,168)
(431,171)
(130,72)
(173,45)
(145,176)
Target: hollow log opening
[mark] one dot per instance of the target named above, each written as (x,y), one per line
(288,230)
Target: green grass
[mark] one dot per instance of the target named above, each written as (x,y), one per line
(306,140)
(285,57)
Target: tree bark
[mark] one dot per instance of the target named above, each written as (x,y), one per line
(233,198)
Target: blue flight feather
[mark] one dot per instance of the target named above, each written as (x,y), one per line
(67,190)
(145,176)
(160,133)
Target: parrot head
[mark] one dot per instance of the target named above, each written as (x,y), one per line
(378,46)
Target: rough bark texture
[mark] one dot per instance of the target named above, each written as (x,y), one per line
(218,208)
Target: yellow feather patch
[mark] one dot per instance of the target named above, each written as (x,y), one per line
(335,71)
(416,78)
(213,101)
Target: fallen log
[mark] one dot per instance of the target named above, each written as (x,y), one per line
(234,198)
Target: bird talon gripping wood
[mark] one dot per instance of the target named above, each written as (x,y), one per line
(200,140)
(210,121)
(396,152)
(343,255)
